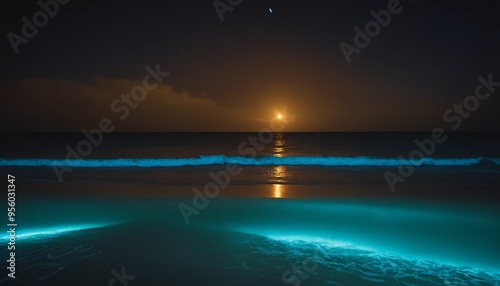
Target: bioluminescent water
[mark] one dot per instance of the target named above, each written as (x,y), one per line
(44,232)
(240,160)
(309,209)
(373,242)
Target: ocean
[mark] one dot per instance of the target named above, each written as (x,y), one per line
(254,208)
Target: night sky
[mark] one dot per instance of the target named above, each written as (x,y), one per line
(229,75)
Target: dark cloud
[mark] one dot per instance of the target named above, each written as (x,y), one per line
(70,105)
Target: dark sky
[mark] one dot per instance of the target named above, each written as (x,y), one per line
(229,75)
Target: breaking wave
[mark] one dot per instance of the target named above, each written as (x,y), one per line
(241,160)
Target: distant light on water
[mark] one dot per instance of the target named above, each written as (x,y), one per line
(277,191)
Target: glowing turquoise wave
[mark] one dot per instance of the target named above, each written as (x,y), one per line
(338,263)
(42,232)
(267,160)
(448,233)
